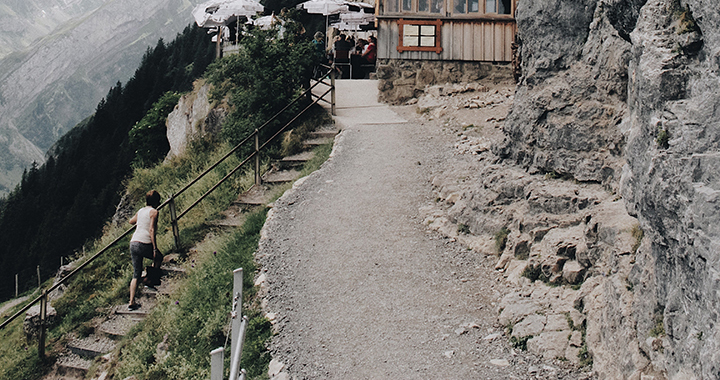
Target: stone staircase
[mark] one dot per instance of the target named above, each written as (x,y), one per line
(81,353)
(284,171)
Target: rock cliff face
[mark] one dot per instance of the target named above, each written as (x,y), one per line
(192,118)
(630,88)
(672,181)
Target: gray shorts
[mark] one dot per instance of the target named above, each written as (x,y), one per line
(138,251)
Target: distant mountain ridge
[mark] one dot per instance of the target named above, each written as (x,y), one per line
(23,22)
(58,80)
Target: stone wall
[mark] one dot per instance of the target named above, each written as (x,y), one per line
(631,89)
(402,80)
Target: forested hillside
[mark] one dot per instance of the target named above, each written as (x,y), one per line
(64,202)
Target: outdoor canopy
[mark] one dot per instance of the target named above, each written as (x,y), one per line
(216,13)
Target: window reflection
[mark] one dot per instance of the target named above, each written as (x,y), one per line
(407,5)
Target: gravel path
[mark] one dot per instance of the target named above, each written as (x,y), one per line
(360,289)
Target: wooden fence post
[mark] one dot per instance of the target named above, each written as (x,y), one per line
(43,316)
(174,222)
(257,157)
(38,273)
(332,91)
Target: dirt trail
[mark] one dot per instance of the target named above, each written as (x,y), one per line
(358,286)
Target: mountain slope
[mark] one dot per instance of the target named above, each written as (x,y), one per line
(22,22)
(51,86)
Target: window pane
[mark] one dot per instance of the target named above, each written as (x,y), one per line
(423,5)
(504,7)
(473,6)
(490,6)
(427,30)
(427,41)
(411,41)
(407,5)
(436,6)
(460,6)
(411,30)
(392,6)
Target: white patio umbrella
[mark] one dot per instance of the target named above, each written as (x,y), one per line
(216,13)
(325,8)
(266,22)
(357,18)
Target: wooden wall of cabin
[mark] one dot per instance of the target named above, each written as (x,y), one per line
(462,40)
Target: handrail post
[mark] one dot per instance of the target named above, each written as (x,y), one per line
(43,317)
(332,91)
(217,358)
(237,351)
(236,307)
(257,158)
(174,222)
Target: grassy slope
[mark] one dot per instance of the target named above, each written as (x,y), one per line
(193,319)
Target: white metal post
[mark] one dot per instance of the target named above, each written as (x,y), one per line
(217,357)
(237,351)
(236,307)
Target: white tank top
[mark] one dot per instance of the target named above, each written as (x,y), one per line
(142,232)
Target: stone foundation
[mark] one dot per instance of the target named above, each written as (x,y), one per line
(401,80)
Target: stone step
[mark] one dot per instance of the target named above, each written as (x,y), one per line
(255,196)
(324,134)
(296,160)
(146,300)
(172,270)
(117,326)
(314,142)
(72,366)
(152,292)
(91,346)
(232,217)
(283,176)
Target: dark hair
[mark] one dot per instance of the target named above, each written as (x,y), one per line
(152,198)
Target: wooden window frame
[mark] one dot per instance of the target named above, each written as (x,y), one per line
(438,27)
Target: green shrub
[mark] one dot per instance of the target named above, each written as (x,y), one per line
(148,136)
(268,72)
(520,343)
(501,239)
(463,228)
(638,234)
(534,273)
(663,139)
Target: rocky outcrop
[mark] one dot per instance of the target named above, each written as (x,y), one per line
(626,88)
(193,117)
(573,91)
(671,183)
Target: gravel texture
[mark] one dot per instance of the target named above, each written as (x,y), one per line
(359,288)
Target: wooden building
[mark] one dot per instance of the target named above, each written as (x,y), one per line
(446,30)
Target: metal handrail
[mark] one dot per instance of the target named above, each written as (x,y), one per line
(187,186)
